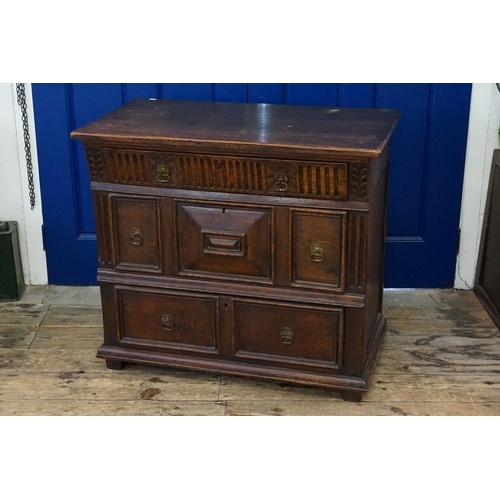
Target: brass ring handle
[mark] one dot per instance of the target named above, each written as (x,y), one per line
(317,252)
(286,335)
(136,236)
(280,181)
(162,173)
(167,322)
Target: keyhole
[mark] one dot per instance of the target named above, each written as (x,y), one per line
(223,210)
(219,165)
(225,305)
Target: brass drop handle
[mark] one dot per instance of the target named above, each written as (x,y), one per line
(280,181)
(317,252)
(136,236)
(286,335)
(162,173)
(167,322)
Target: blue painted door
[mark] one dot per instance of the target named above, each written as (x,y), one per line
(425,184)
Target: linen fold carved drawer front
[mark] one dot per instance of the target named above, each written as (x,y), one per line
(253,246)
(225,173)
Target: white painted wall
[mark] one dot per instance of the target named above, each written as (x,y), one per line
(14,196)
(482,139)
(14,193)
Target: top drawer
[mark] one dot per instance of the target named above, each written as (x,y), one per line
(226,174)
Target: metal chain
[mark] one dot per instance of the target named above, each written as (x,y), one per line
(21,100)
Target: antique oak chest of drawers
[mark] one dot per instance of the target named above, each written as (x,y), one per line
(245,239)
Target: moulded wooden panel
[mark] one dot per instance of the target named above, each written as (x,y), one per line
(101,208)
(318,248)
(293,334)
(225,240)
(136,229)
(167,319)
(487,286)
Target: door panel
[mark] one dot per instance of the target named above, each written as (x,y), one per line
(425,181)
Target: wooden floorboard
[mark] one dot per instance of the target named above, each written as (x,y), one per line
(440,357)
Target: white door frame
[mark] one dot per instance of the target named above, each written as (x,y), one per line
(482,139)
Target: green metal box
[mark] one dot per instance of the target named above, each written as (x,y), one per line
(12,284)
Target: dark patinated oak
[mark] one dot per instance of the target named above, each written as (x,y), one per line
(245,239)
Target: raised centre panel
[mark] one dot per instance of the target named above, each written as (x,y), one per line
(224,240)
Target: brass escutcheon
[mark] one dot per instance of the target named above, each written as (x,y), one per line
(136,236)
(280,181)
(317,252)
(286,335)
(162,173)
(167,322)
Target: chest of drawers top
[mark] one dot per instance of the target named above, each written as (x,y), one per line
(272,130)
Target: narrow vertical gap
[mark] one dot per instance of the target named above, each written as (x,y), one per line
(309,180)
(192,170)
(113,164)
(318,181)
(128,169)
(75,184)
(217,172)
(137,169)
(225,184)
(123,88)
(238,175)
(203,174)
(159,91)
(259,176)
(425,173)
(188,172)
(119,157)
(375,95)
(181,171)
(327,181)
(245,178)
(211,171)
(336,182)
(144,168)
(252,176)
(231,174)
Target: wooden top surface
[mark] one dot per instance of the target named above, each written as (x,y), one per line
(218,126)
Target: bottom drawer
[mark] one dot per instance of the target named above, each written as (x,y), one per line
(185,321)
(291,334)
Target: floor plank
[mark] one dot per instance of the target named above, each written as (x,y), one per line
(11,360)
(117,386)
(342,408)
(55,407)
(17,336)
(67,316)
(15,314)
(67,337)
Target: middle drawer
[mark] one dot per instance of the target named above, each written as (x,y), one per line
(228,241)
